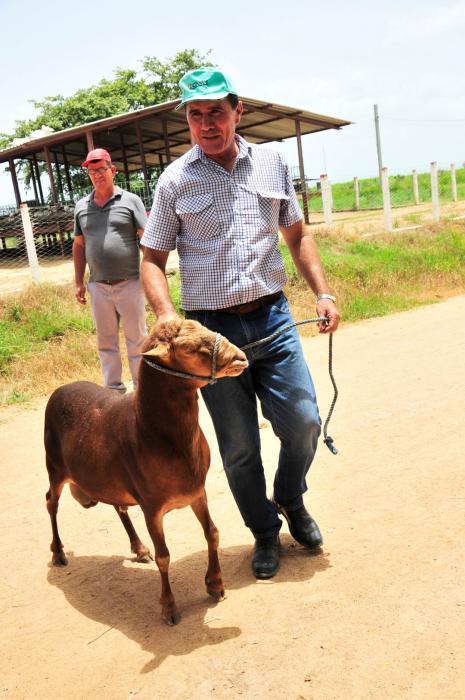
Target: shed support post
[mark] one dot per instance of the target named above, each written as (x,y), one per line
(90,141)
(14,180)
(167,143)
(60,182)
(125,160)
(141,151)
(33,180)
(39,183)
(50,174)
(68,176)
(303,184)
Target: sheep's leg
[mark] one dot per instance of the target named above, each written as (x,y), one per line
(169,611)
(213,579)
(140,550)
(52,497)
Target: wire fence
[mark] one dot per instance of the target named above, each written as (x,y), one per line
(366,194)
(35,238)
(52,229)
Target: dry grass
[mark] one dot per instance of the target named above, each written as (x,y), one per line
(46,340)
(39,373)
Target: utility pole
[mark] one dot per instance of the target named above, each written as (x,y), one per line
(378,142)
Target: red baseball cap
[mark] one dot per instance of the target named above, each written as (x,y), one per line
(96,154)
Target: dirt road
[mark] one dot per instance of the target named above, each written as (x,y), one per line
(380,613)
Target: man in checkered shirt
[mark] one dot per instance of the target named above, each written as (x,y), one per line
(221,205)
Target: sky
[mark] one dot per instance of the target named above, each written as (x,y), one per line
(336,59)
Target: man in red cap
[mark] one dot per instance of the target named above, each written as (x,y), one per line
(108,224)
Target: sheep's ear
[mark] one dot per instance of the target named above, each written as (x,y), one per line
(160,350)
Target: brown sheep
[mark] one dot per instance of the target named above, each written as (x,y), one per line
(143,448)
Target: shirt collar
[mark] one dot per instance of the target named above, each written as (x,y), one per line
(196,152)
(117,193)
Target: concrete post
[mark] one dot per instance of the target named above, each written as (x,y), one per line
(30,243)
(453,181)
(357,193)
(416,196)
(435,191)
(386,199)
(326,196)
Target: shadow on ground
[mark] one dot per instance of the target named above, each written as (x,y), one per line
(123,595)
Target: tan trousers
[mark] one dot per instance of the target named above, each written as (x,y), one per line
(110,303)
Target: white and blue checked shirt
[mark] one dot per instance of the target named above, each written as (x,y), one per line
(224,225)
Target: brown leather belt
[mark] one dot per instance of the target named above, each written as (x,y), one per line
(111,282)
(250,306)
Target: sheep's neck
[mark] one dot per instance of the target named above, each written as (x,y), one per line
(167,403)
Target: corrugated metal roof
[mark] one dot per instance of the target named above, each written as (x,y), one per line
(162,128)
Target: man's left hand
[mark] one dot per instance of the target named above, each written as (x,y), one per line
(328,309)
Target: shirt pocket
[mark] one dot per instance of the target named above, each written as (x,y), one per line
(264,207)
(198,215)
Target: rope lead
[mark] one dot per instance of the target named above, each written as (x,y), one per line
(328,440)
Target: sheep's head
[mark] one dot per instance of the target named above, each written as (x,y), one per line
(187,346)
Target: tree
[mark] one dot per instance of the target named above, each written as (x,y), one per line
(156,82)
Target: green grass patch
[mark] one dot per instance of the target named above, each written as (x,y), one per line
(14,397)
(41,314)
(363,306)
(377,276)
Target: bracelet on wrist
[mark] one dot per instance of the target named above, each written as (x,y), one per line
(331,297)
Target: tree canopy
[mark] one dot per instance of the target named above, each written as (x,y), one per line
(155,82)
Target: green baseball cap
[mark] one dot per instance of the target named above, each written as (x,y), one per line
(205,84)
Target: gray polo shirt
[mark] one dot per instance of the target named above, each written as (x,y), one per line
(110,233)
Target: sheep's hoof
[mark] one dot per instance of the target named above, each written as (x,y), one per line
(59,559)
(172,618)
(143,556)
(215,589)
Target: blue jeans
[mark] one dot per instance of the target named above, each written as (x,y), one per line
(279,377)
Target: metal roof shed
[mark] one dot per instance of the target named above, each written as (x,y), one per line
(153,137)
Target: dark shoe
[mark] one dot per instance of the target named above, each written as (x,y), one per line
(265,558)
(302,526)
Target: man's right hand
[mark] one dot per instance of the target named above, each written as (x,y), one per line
(81,293)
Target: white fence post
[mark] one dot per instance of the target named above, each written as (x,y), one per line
(416,196)
(453,181)
(326,196)
(357,193)
(386,199)
(30,243)
(435,191)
